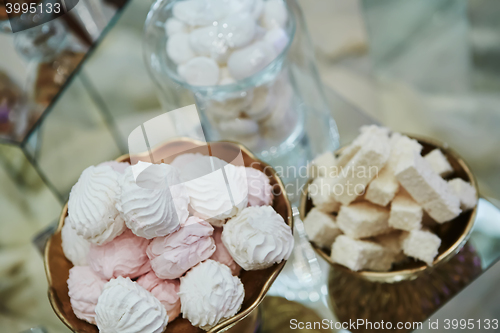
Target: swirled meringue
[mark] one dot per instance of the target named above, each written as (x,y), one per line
(119,167)
(257,238)
(210,293)
(165,291)
(156,203)
(126,307)
(222,255)
(75,247)
(210,197)
(173,255)
(91,205)
(84,288)
(123,256)
(260,191)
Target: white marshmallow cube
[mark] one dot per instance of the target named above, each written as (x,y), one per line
(428,188)
(321,193)
(325,165)
(439,163)
(393,243)
(362,168)
(360,255)
(465,191)
(383,188)
(422,245)
(406,213)
(321,228)
(363,219)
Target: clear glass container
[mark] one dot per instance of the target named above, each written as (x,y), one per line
(267,97)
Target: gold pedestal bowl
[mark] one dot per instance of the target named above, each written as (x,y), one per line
(411,291)
(256,283)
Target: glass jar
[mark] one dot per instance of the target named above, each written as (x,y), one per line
(250,68)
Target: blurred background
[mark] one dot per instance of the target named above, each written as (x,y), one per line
(72,90)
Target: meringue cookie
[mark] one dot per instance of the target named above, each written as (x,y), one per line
(260,191)
(237,30)
(250,60)
(155,204)
(209,293)
(208,42)
(200,12)
(263,102)
(229,108)
(75,247)
(258,9)
(91,205)
(84,288)
(179,48)
(126,307)
(173,255)
(238,6)
(211,198)
(238,127)
(258,238)
(275,14)
(225,77)
(119,167)
(174,26)
(222,255)
(277,38)
(200,71)
(123,256)
(165,291)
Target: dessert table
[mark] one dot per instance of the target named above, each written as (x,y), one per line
(111,94)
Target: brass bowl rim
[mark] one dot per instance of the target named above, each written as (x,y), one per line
(408,273)
(230,322)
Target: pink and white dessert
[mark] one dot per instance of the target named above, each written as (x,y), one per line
(260,191)
(156,203)
(222,255)
(173,255)
(165,291)
(119,167)
(124,256)
(258,238)
(91,205)
(210,293)
(211,197)
(84,287)
(126,307)
(75,247)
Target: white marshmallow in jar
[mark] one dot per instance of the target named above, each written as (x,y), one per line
(232,54)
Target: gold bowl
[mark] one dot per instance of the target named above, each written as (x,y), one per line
(453,234)
(256,283)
